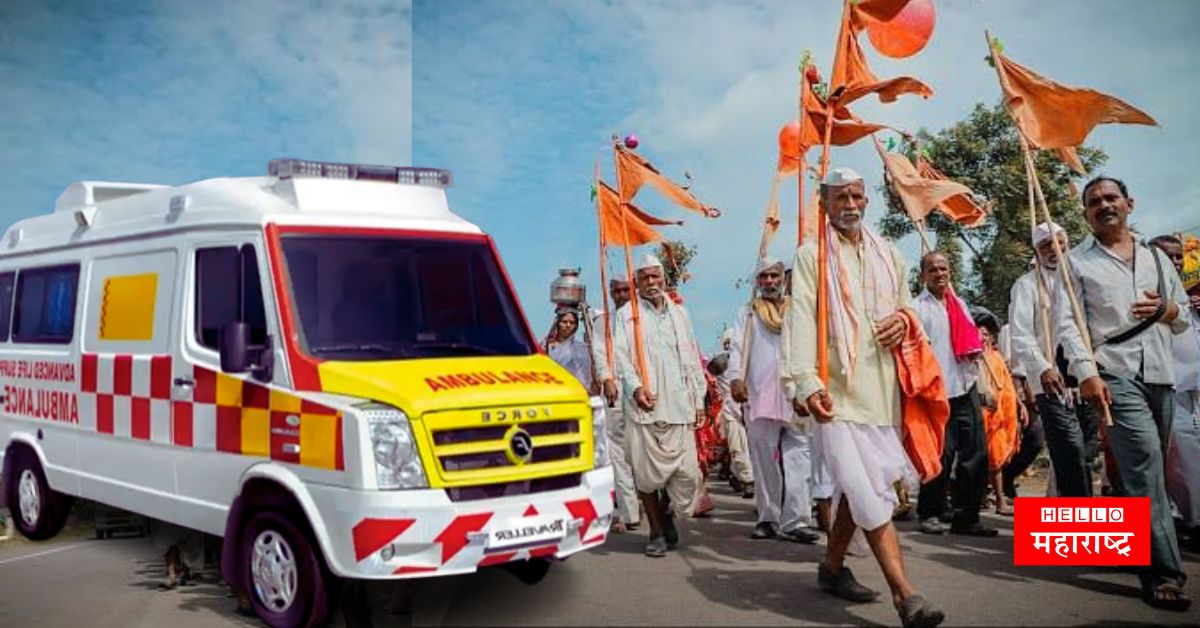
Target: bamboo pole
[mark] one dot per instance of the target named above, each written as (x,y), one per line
(822,262)
(800,163)
(1063,262)
(608,348)
(639,359)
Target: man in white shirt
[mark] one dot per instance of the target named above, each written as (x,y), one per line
(965,433)
(628,509)
(1068,426)
(780,451)
(741,471)
(663,410)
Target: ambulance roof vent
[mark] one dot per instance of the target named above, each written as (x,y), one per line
(430,177)
(87,193)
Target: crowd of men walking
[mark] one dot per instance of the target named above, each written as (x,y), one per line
(838,449)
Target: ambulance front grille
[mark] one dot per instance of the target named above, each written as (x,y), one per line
(521,487)
(481,453)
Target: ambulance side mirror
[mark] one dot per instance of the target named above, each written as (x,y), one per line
(238,356)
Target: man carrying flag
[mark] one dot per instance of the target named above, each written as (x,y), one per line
(661,412)
(858,411)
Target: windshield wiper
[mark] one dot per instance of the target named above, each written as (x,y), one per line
(461,347)
(363,347)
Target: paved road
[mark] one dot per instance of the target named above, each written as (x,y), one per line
(719,577)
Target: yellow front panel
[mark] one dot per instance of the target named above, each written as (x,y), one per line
(578,415)
(127,307)
(229,390)
(317,445)
(284,402)
(256,432)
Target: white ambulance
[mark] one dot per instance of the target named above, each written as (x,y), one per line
(324,366)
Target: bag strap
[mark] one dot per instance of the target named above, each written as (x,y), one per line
(1145,323)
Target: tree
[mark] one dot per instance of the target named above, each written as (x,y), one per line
(983,153)
(675,256)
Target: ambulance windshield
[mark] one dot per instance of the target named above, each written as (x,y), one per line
(364,298)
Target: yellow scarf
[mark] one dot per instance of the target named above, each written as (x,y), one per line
(770,313)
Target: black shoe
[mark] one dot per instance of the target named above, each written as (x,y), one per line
(916,612)
(798,535)
(748,490)
(656,548)
(764,530)
(843,584)
(736,484)
(973,529)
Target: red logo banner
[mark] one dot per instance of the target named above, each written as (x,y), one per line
(1081,531)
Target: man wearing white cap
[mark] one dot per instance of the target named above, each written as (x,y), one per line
(662,410)
(1034,305)
(858,412)
(780,451)
(628,509)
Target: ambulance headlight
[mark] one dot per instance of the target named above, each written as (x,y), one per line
(397,461)
(599,432)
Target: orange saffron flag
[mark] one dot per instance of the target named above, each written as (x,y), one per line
(1050,115)
(638,224)
(878,10)
(852,78)
(635,172)
(812,130)
(962,208)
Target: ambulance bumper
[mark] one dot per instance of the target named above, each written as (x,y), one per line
(418,533)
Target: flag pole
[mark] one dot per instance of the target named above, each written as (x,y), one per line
(800,163)
(1063,261)
(608,348)
(639,359)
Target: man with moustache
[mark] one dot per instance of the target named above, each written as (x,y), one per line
(940,312)
(858,412)
(628,510)
(1068,426)
(1133,303)
(661,412)
(780,452)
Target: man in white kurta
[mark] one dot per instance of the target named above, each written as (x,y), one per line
(857,411)
(628,509)
(780,450)
(741,470)
(663,409)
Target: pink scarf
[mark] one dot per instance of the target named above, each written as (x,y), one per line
(964,335)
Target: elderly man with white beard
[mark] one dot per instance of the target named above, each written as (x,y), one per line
(661,411)
(858,408)
(780,452)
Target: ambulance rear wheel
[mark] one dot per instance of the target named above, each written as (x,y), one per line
(38,512)
(283,575)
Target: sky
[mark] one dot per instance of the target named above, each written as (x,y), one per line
(520,97)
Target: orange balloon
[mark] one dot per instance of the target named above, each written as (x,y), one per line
(907,33)
(789,147)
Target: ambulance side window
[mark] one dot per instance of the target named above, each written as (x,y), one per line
(228,289)
(45,311)
(7,280)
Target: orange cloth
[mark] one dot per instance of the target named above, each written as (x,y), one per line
(852,78)
(926,408)
(846,130)
(1050,115)
(918,194)
(961,208)
(634,172)
(637,223)
(1001,425)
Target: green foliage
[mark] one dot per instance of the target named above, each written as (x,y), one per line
(983,153)
(675,257)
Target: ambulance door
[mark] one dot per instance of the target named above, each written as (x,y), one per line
(222,420)
(37,362)
(125,446)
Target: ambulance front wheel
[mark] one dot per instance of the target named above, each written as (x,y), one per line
(284,576)
(38,511)
(530,571)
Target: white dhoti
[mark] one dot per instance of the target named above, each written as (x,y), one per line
(864,461)
(1183,461)
(821,482)
(663,457)
(628,505)
(782,457)
(739,450)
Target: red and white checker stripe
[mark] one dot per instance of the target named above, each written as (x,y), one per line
(127,396)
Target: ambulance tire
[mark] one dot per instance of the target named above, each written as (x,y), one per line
(529,572)
(285,545)
(52,507)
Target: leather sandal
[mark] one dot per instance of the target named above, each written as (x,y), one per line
(1167,596)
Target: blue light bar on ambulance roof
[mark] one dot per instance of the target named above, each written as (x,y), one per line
(432,177)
